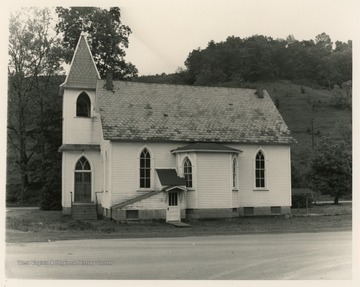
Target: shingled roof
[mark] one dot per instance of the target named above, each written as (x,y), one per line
(157,112)
(83,73)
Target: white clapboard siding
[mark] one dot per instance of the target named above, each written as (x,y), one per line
(278,176)
(117,176)
(105,175)
(125,167)
(157,201)
(69,161)
(213,184)
(191,199)
(235,199)
(78,130)
(191,195)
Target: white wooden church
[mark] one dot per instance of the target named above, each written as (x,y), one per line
(154,151)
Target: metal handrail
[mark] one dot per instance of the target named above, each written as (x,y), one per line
(96,202)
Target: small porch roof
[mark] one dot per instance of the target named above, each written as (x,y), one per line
(169,178)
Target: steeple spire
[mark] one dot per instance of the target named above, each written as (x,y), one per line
(83,73)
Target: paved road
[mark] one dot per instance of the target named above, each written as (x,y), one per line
(325,255)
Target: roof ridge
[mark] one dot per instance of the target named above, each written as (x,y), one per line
(179,85)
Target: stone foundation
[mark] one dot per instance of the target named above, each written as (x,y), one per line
(266,210)
(194,214)
(66,210)
(211,213)
(125,215)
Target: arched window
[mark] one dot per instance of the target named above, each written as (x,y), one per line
(188,172)
(260,170)
(234,172)
(82,164)
(83,105)
(145,169)
(82,180)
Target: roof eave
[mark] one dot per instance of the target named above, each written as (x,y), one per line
(172,187)
(205,151)
(249,142)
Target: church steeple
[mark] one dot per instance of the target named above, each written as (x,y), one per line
(83,73)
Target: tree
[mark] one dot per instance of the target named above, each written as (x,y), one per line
(336,68)
(34,52)
(107,37)
(323,42)
(260,58)
(331,169)
(342,97)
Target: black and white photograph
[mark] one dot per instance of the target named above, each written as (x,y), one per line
(207,142)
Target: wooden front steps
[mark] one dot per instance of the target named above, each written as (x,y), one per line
(84,211)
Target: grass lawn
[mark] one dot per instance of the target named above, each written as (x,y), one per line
(31,225)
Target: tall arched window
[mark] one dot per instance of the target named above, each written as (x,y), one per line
(82,180)
(188,172)
(145,169)
(234,172)
(83,105)
(260,170)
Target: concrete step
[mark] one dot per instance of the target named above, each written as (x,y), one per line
(84,211)
(178,224)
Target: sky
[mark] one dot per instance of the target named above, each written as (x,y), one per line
(165,32)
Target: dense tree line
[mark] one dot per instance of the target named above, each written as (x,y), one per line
(261,58)
(237,61)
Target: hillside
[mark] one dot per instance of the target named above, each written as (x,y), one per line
(298,109)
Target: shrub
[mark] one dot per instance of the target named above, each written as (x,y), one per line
(13,192)
(51,191)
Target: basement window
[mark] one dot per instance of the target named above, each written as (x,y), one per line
(248,210)
(275,209)
(132,214)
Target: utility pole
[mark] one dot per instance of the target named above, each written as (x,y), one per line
(312,133)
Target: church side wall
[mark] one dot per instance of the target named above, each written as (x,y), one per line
(125,168)
(212,194)
(277,192)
